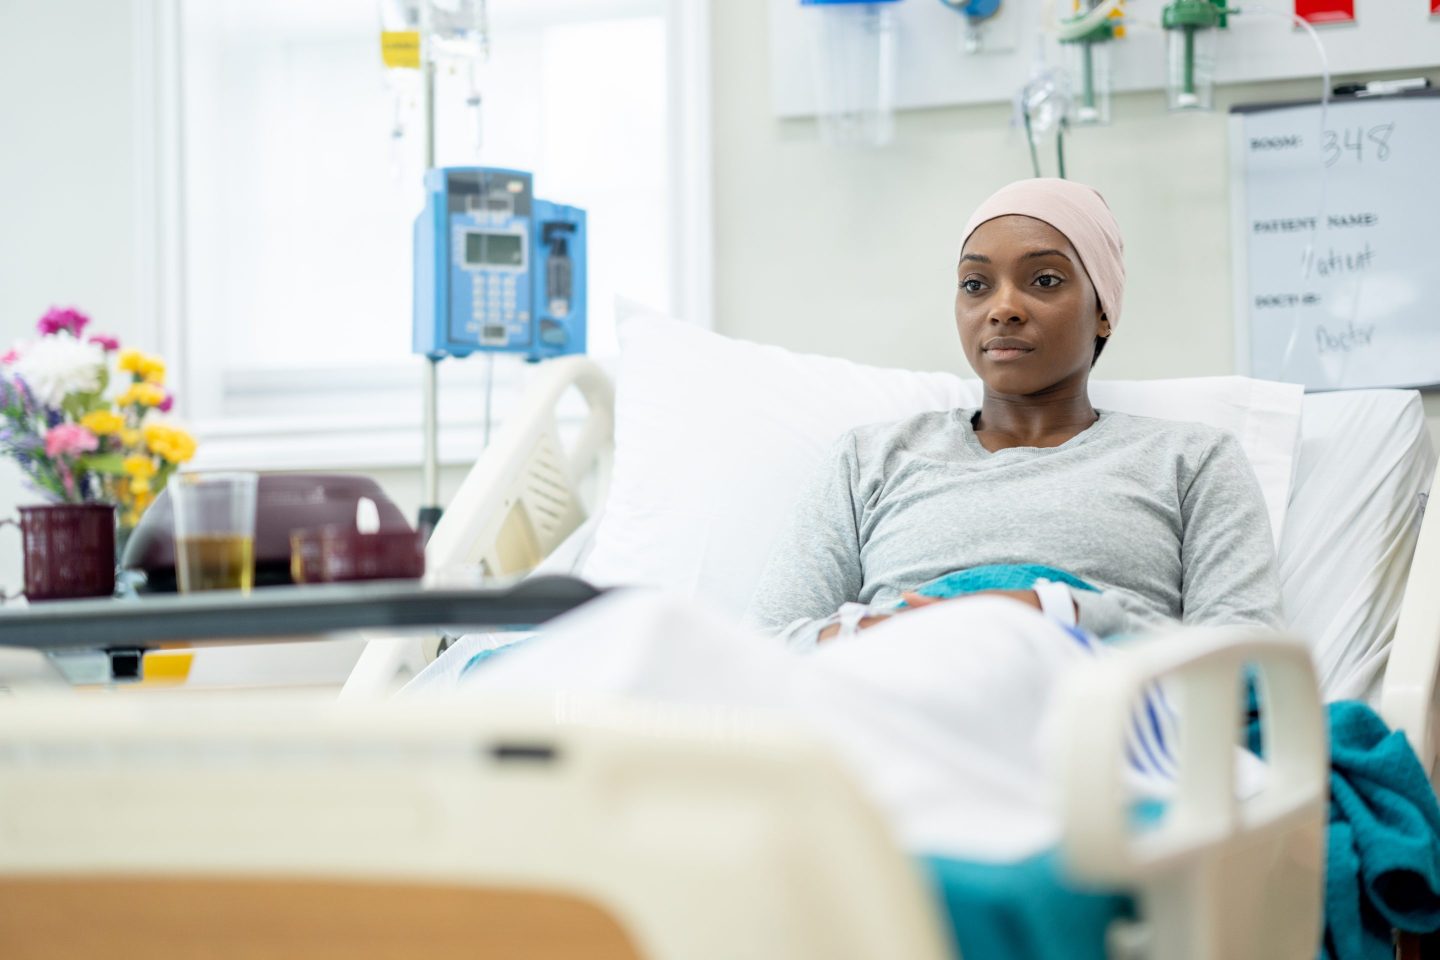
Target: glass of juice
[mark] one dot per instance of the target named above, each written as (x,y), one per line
(214,530)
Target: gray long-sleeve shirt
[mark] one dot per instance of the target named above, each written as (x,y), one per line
(1165,518)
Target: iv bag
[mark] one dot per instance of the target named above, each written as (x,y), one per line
(451,29)
(852,47)
(453,36)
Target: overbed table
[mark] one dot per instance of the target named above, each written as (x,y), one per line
(105,636)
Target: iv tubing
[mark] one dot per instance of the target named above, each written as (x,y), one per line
(489,392)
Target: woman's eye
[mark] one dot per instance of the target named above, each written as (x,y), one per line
(971,286)
(1053,281)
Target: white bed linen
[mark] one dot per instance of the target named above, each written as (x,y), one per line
(939,713)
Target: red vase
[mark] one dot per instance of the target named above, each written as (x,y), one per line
(69,550)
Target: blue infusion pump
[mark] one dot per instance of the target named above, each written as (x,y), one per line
(497,270)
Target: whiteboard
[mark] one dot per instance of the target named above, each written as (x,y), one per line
(932,69)
(1335,235)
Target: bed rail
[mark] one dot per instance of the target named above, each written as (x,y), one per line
(692,832)
(526,493)
(1213,875)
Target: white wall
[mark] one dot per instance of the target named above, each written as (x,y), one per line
(67,170)
(852,252)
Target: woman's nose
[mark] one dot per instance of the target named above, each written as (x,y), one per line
(1005,306)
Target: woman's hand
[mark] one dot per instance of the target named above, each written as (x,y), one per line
(865,622)
(914,601)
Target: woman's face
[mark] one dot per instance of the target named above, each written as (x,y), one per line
(1027,313)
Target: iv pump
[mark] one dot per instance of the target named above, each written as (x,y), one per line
(497,270)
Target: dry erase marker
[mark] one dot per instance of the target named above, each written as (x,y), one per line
(1381,88)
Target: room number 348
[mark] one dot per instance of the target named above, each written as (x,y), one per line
(1371,144)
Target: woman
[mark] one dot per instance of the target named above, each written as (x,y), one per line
(1164,519)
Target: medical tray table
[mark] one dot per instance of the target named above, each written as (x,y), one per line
(125,629)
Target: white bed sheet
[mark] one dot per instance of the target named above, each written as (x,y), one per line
(941,714)
(444,672)
(959,766)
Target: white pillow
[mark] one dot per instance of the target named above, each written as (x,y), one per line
(715,438)
(1364,464)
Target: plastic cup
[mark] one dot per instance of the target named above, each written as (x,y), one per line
(214,530)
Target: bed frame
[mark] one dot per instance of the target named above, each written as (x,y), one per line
(1213,881)
(1217,879)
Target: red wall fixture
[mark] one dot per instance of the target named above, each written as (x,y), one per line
(1435,8)
(1332,11)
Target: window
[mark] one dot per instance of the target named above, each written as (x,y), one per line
(298,201)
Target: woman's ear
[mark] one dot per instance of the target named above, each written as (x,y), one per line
(1104,326)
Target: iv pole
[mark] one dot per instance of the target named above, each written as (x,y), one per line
(430,509)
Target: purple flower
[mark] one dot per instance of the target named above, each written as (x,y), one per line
(68,319)
(26,444)
(27,399)
(167,404)
(107,343)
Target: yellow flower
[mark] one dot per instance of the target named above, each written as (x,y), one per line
(139,467)
(129,359)
(172,443)
(140,486)
(144,394)
(130,437)
(152,369)
(103,422)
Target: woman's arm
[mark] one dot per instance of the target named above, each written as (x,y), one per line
(815,566)
(1228,552)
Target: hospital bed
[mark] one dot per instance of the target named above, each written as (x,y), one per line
(1219,879)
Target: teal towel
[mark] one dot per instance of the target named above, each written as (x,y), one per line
(1383,851)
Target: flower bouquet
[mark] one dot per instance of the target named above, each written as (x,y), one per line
(76,439)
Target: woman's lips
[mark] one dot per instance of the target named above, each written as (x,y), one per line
(1005,353)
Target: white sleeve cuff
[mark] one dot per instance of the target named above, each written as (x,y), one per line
(1056,601)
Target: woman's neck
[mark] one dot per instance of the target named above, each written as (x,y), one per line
(1035,421)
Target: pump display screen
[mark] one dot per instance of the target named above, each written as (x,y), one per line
(494,250)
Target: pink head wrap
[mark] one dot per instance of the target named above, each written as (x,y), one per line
(1081,214)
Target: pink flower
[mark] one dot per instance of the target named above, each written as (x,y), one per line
(69,438)
(107,343)
(56,319)
(166,404)
(10,356)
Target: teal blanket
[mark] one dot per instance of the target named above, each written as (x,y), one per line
(1022,911)
(1003,576)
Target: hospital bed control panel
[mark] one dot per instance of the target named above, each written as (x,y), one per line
(497,270)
